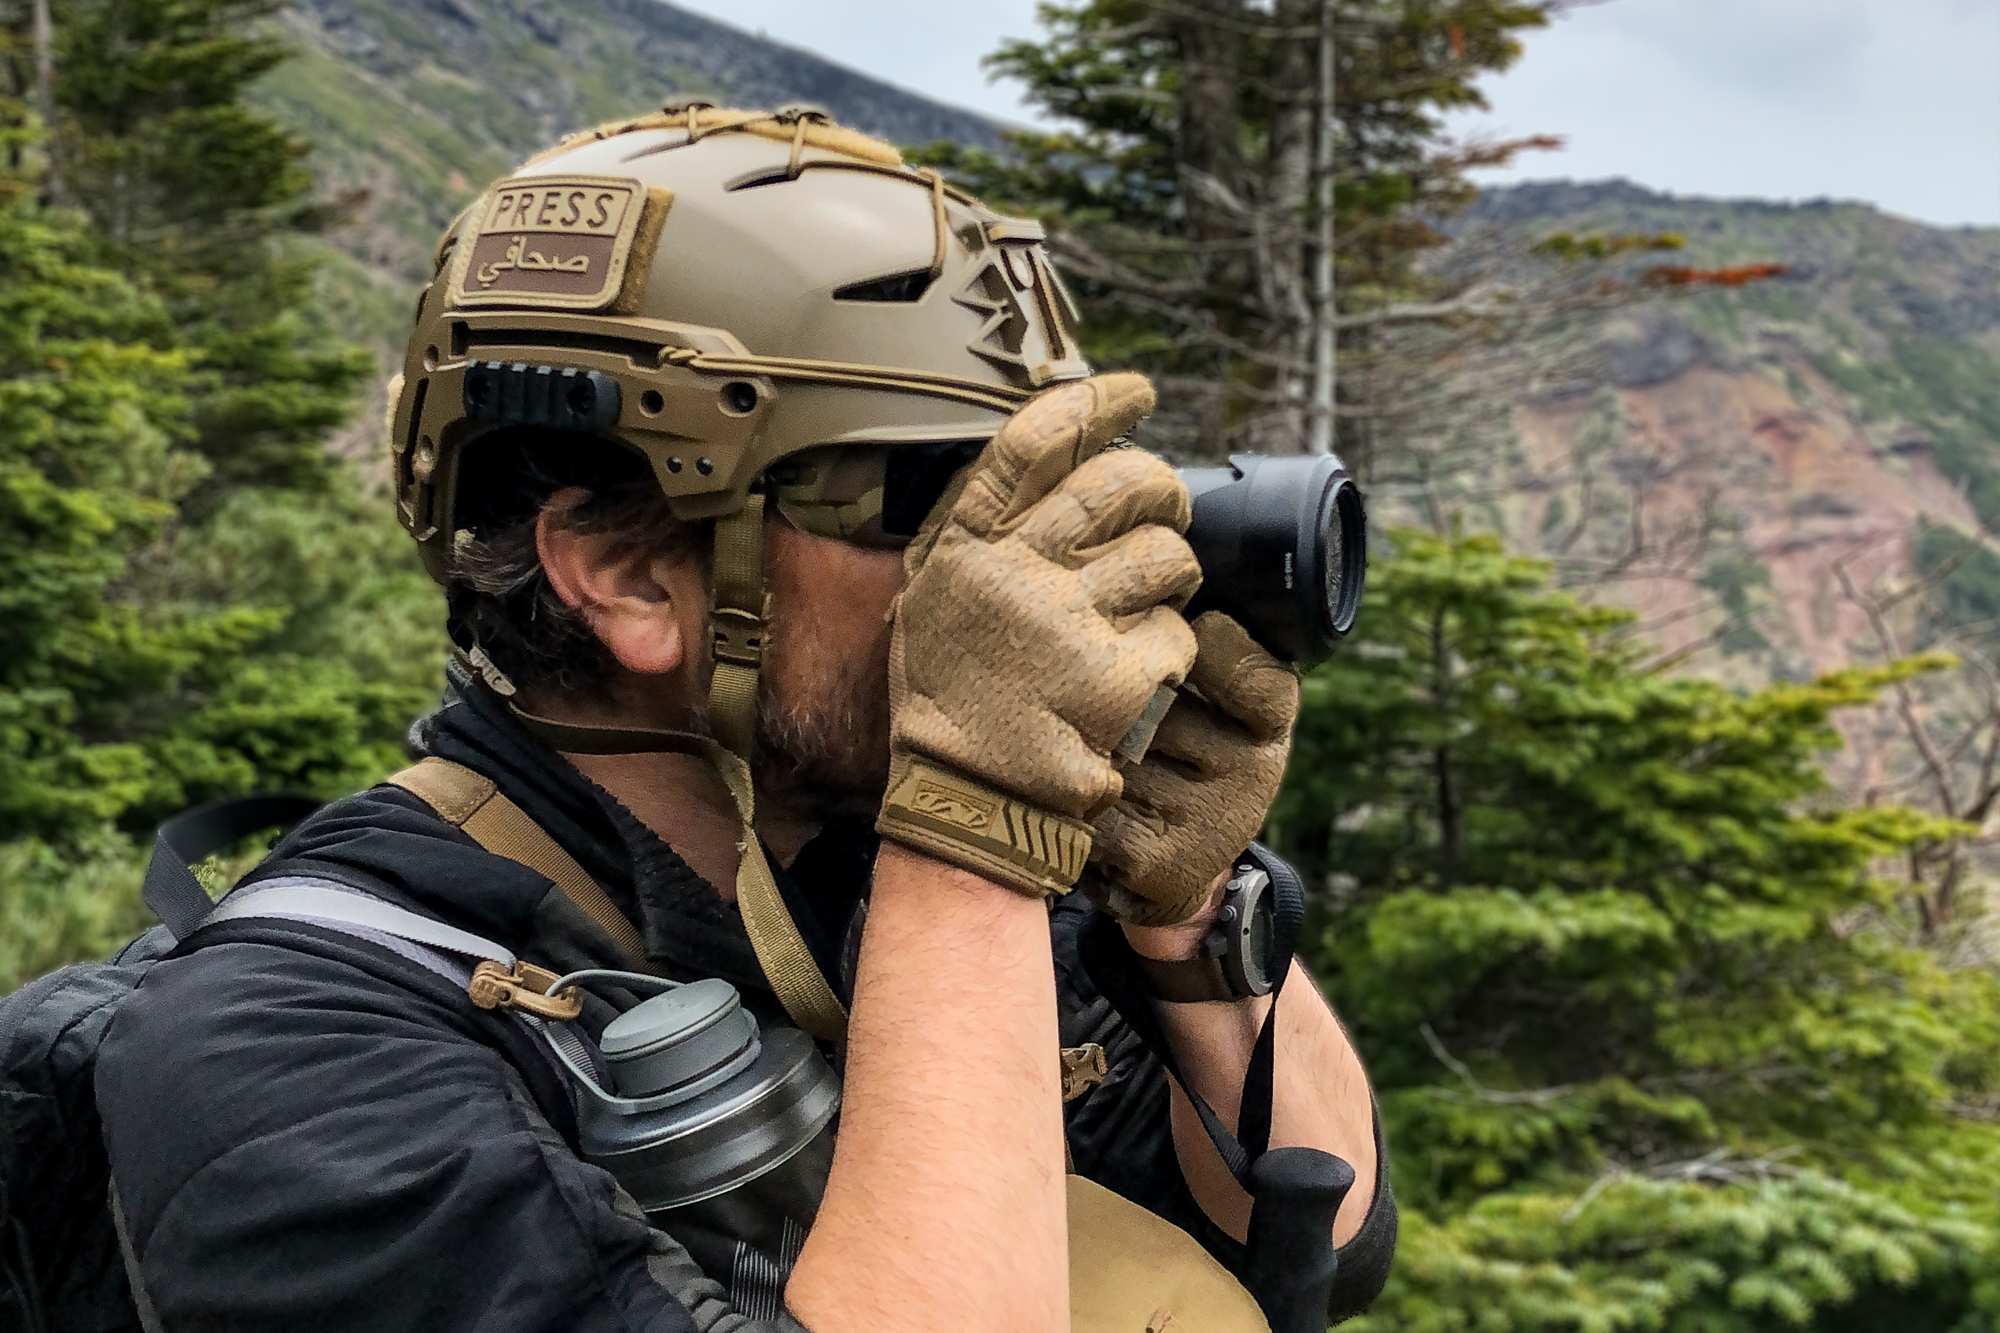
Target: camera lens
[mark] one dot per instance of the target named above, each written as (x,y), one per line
(1283,546)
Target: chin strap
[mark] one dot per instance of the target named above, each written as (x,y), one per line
(737,627)
(788,965)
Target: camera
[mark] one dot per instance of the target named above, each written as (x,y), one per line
(1283,546)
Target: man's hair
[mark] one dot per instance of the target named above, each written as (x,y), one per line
(497,594)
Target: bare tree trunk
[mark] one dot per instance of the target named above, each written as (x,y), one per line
(1281,217)
(1325,328)
(1450,808)
(1210,36)
(45,96)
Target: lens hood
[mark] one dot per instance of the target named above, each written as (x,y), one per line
(1283,546)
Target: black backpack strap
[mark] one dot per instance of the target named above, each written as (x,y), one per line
(171,889)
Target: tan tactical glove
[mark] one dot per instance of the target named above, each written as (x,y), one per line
(1205,786)
(1038,616)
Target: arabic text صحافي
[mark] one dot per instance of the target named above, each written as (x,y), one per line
(529,261)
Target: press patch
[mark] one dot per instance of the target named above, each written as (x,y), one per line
(556,242)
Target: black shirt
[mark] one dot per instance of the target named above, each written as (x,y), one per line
(311,1133)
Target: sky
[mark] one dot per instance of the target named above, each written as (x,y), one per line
(1892,102)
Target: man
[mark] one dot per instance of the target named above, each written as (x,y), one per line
(890,559)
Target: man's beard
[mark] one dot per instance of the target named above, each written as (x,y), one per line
(823,731)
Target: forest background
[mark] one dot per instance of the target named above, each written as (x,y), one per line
(1672,1030)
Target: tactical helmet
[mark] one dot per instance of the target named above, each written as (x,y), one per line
(724,292)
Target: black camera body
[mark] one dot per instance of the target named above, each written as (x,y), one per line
(1283,546)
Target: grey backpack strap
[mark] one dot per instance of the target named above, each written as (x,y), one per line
(326,903)
(318,902)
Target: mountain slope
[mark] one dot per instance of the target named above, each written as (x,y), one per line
(1753,439)
(422,102)
(1762,437)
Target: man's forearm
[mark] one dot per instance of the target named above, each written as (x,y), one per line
(1320,1096)
(945,1208)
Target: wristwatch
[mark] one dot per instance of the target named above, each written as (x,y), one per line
(1235,958)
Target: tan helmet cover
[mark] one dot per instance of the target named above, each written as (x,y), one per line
(720,290)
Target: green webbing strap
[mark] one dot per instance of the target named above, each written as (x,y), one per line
(736,622)
(788,965)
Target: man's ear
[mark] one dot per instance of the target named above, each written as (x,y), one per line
(623,591)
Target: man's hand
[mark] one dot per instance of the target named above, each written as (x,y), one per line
(1038,619)
(1205,786)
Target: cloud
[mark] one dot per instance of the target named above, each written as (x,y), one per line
(1895,103)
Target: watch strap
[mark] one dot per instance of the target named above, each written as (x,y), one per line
(1186,980)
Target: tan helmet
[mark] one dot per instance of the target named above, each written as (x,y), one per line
(720,291)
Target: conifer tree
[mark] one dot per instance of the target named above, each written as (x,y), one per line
(1182,183)
(196,599)
(201,199)
(1652,1046)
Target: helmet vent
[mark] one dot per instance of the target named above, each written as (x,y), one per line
(902,288)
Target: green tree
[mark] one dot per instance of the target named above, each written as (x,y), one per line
(1650,1046)
(199,598)
(122,699)
(1182,183)
(202,199)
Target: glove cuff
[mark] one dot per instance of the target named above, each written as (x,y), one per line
(958,821)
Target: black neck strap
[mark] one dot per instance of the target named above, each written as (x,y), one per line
(1110,963)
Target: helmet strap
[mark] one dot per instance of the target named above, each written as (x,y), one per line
(737,626)
(782,953)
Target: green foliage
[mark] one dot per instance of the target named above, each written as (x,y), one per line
(1968,597)
(1210,284)
(1602,245)
(62,903)
(1114,70)
(196,597)
(199,195)
(1806,1252)
(145,662)
(1948,389)
(1592,923)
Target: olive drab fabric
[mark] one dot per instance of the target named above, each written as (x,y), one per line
(1206,784)
(1035,624)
